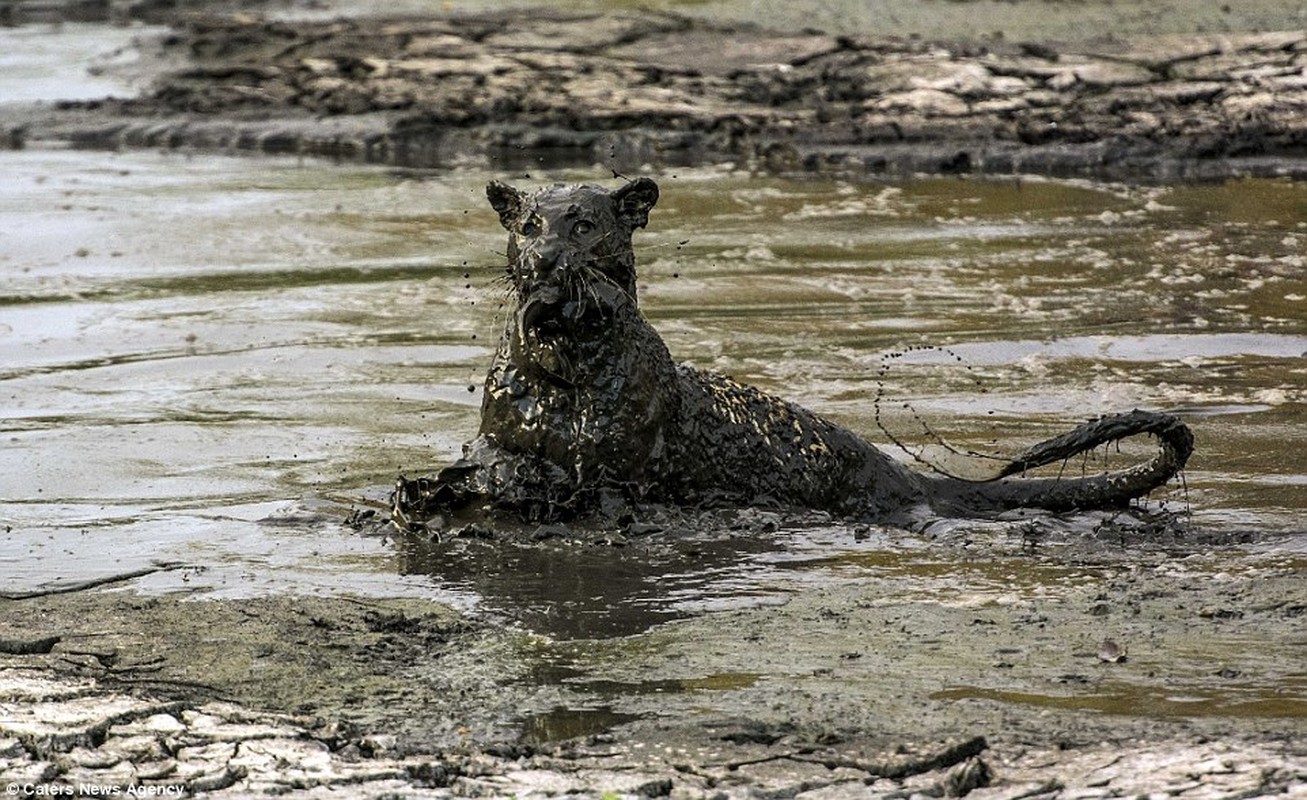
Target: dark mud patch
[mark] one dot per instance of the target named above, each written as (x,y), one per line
(511,88)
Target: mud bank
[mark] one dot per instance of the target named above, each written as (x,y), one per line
(626,90)
(82,735)
(1076,669)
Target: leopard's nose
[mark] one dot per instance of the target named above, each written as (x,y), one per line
(546,257)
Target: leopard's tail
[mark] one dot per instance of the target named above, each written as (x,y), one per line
(1108,490)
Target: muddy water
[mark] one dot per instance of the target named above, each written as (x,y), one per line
(204,362)
(70,61)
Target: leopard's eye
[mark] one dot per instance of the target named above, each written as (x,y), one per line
(531,227)
(582,227)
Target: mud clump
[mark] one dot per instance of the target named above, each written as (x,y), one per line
(631,89)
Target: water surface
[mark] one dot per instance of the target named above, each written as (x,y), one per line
(206,361)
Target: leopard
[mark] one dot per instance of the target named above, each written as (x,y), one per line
(584,403)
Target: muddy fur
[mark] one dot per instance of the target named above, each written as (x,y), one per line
(584,406)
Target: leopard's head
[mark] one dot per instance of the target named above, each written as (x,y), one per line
(570,261)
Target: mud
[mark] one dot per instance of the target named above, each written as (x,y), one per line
(997,665)
(633,89)
(167,393)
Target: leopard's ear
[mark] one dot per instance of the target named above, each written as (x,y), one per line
(506,201)
(635,200)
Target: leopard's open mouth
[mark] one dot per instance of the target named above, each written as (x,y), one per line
(549,313)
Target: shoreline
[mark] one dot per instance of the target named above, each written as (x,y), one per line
(639,90)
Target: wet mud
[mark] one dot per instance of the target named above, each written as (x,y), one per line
(632,89)
(988,661)
(169,618)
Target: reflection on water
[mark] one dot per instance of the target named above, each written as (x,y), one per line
(589,716)
(192,349)
(564,722)
(578,591)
